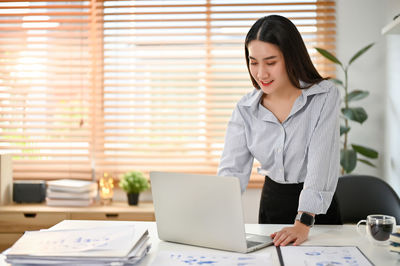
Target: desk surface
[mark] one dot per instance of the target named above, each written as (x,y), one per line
(319,235)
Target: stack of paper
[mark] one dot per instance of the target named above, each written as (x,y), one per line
(69,192)
(111,244)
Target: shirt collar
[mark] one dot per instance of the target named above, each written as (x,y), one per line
(253,100)
(256,95)
(321,87)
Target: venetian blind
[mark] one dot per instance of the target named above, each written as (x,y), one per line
(94,86)
(46,87)
(173,71)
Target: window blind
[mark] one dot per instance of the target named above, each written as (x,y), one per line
(46,91)
(153,88)
(173,71)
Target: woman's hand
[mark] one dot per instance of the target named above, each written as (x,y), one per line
(298,233)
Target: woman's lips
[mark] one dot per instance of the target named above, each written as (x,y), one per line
(266,83)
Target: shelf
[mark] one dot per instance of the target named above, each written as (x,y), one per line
(15,218)
(392,27)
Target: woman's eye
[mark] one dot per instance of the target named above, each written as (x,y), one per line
(253,63)
(271,63)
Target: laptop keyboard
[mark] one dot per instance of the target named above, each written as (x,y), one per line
(252,243)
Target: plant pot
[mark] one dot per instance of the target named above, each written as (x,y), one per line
(133,198)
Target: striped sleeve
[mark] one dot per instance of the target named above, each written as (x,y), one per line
(236,159)
(323,158)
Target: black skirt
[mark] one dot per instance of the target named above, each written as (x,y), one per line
(279,203)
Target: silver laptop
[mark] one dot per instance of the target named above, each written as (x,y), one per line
(202,210)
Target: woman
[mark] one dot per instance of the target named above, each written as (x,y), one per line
(290,124)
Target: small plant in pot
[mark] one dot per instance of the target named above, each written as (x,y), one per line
(133,183)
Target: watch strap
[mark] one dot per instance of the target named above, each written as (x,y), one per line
(305,218)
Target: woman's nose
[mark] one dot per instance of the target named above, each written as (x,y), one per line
(262,73)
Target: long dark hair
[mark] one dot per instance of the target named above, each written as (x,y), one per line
(283,33)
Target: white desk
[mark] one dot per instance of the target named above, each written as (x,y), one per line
(319,235)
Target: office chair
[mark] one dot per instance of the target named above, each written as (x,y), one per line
(361,195)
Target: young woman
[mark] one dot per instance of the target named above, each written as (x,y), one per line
(290,124)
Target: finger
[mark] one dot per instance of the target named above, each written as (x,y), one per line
(281,236)
(288,240)
(279,241)
(298,241)
(272,235)
(279,233)
(276,236)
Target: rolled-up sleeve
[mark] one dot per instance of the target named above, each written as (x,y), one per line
(236,159)
(323,158)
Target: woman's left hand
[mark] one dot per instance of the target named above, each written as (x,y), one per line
(298,233)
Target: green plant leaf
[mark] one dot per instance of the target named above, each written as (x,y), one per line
(366,162)
(328,55)
(337,81)
(359,53)
(344,129)
(357,114)
(348,160)
(357,95)
(367,152)
(134,182)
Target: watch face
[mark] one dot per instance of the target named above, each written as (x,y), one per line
(307,219)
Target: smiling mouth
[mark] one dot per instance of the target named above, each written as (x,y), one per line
(266,83)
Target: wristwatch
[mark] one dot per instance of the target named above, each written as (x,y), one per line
(305,218)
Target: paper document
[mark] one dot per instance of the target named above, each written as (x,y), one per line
(71,185)
(114,243)
(322,255)
(165,258)
(69,202)
(55,194)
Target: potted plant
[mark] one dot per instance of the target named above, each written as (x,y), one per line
(133,183)
(350,153)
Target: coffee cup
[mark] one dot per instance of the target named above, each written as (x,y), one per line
(378,228)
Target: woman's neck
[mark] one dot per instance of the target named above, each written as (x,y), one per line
(284,94)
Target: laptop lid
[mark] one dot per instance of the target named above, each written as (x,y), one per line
(199,210)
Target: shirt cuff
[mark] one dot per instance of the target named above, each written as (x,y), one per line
(316,202)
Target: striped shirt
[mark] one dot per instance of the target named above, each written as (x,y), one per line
(303,148)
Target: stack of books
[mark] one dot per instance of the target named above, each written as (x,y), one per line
(69,192)
(395,242)
(82,243)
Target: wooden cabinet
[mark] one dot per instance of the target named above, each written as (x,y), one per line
(15,219)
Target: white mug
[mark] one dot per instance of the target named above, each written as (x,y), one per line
(378,228)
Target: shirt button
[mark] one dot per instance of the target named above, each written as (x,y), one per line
(280,169)
(279,150)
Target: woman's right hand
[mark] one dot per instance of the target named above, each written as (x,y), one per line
(298,233)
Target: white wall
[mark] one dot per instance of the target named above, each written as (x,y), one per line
(392,134)
(359,22)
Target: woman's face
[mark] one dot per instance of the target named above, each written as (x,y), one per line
(267,67)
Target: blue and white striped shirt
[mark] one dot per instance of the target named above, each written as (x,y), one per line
(304,148)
